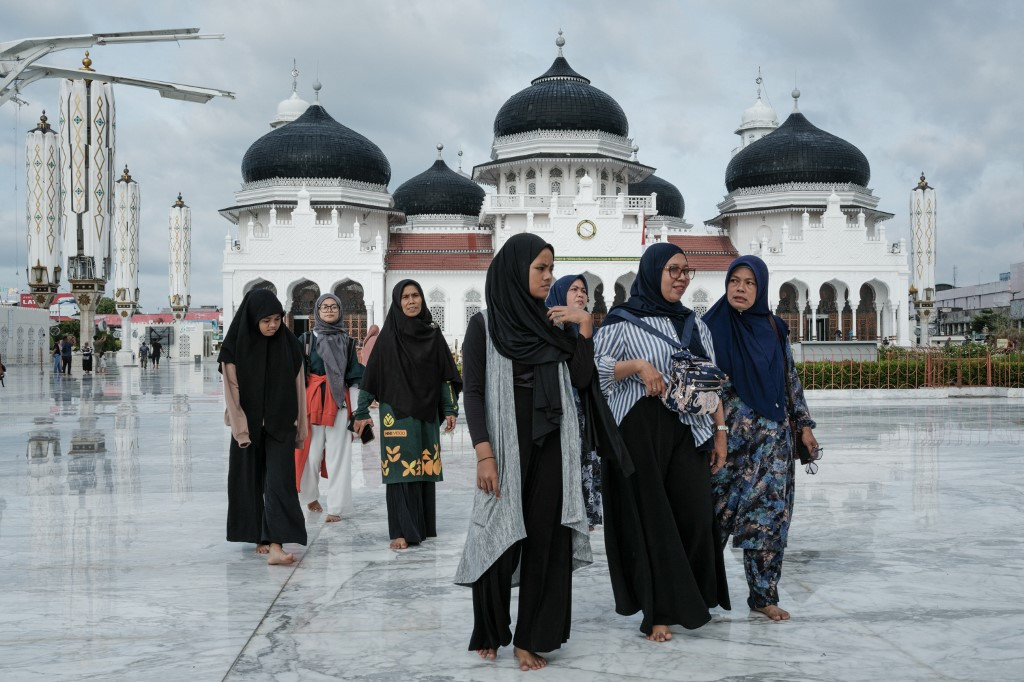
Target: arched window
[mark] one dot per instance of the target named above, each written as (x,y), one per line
(555,173)
(511,189)
(531,174)
(556,187)
(531,189)
(700,296)
(473,299)
(604,189)
(510,177)
(437,307)
(604,175)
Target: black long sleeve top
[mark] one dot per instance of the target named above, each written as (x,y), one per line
(474,375)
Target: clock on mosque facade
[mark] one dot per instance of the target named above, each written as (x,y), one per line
(586,229)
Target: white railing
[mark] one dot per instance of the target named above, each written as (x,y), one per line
(537,201)
(607,202)
(639,202)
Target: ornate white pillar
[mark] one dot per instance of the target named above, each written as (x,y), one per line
(179,265)
(922,235)
(814,320)
(124,248)
(87,188)
(43,211)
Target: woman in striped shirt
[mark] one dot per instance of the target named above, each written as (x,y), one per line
(660,531)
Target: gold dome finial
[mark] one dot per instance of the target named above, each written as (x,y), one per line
(923,184)
(86,63)
(180,203)
(126,176)
(43,126)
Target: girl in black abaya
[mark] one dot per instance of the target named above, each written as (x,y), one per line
(264,389)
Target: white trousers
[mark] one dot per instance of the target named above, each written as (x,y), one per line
(335,444)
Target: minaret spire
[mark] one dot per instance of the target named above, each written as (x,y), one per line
(560,42)
(295,76)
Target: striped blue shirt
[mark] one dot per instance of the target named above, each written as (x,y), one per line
(625,341)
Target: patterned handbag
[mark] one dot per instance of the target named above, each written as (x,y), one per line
(695,384)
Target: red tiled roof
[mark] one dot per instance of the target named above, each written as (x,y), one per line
(706,252)
(439,251)
(168,318)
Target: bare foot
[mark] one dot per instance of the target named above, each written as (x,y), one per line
(332,518)
(487,654)
(314,506)
(527,660)
(774,612)
(660,633)
(399,543)
(277,556)
(263,548)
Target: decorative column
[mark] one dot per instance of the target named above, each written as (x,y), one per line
(87,184)
(124,246)
(43,211)
(179,263)
(814,320)
(922,250)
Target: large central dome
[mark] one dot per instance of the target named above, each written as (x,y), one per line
(560,99)
(315,146)
(439,191)
(797,151)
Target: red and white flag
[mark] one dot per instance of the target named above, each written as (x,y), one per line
(643,234)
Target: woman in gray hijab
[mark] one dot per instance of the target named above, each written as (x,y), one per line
(334,368)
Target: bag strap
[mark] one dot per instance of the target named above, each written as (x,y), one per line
(680,344)
(790,401)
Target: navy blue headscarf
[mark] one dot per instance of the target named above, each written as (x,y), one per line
(645,299)
(747,348)
(559,292)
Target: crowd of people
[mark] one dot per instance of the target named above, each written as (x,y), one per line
(573,427)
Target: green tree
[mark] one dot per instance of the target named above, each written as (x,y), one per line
(106,306)
(996,322)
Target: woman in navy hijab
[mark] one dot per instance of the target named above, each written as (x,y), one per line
(754,490)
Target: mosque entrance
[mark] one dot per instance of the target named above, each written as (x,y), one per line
(867,316)
(353,309)
(789,309)
(304,297)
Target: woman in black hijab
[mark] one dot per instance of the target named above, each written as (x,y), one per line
(264,390)
(528,513)
(413,375)
(660,532)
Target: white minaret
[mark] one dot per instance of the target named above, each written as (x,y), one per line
(923,214)
(124,248)
(180,259)
(758,119)
(293,107)
(87,188)
(42,211)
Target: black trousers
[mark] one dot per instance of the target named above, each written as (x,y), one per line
(412,511)
(544,557)
(671,487)
(263,504)
(65,364)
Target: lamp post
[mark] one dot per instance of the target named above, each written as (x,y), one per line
(43,211)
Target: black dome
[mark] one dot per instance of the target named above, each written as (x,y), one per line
(439,191)
(315,146)
(670,199)
(797,152)
(560,99)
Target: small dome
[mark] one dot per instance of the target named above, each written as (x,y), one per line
(439,191)
(560,99)
(315,146)
(797,152)
(670,199)
(759,115)
(289,110)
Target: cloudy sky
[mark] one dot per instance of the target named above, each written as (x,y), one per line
(935,87)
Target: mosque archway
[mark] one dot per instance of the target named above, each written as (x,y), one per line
(789,308)
(622,286)
(827,313)
(260,284)
(866,315)
(300,310)
(353,309)
(595,305)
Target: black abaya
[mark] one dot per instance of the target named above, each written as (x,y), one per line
(660,529)
(263,506)
(412,511)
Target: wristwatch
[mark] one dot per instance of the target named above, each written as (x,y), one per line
(721,427)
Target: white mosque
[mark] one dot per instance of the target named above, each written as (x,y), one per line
(314,214)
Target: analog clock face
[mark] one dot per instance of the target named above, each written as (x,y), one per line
(586,229)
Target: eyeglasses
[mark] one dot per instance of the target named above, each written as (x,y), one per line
(329,308)
(677,271)
(812,466)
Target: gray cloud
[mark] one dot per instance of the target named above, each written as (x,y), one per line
(917,87)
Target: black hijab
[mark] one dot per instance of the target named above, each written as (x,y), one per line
(410,362)
(747,348)
(518,326)
(646,300)
(266,365)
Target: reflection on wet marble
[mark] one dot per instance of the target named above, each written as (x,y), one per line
(905,557)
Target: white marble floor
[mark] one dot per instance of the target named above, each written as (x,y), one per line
(905,558)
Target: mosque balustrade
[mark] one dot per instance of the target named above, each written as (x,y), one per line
(565,204)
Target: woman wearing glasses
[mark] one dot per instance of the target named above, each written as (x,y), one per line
(660,533)
(571,291)
(334,368)
(754,490)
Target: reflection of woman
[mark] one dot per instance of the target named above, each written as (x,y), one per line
(528,514)
(571,291)
(754,490)
(56,357)
(263,388)
(414,377)
(662,544)
(333,369)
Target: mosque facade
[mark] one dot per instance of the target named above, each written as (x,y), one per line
(314,215)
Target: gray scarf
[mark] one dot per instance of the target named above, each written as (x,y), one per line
(332,346)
